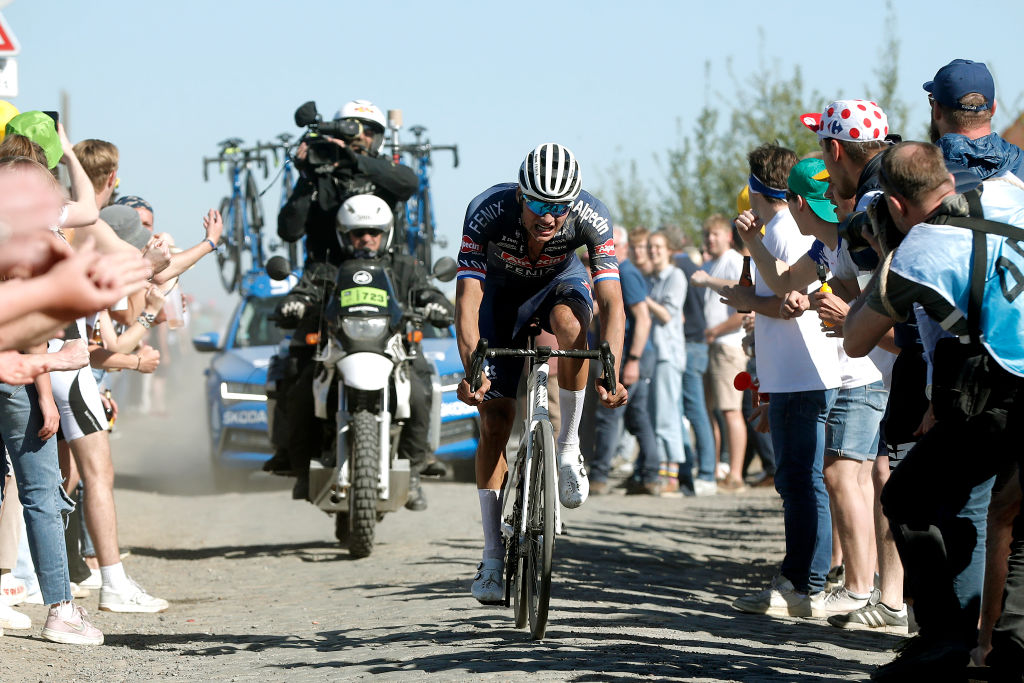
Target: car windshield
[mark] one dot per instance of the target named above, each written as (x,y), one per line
(254,327)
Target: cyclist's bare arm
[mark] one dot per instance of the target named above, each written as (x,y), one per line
(469,293)
(608,295)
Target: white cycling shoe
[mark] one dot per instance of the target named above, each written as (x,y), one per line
(488,584)
(573,484)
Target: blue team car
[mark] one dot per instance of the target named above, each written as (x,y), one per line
(236,399)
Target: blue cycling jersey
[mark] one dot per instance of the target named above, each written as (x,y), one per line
(494,242)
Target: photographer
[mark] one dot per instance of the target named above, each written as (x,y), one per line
(358,236)
(338,160)
(965,279)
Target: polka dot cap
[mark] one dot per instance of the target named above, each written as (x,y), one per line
(852,120)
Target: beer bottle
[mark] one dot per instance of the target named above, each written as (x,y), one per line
(746,280)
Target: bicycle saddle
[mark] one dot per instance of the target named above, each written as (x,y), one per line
(231,142)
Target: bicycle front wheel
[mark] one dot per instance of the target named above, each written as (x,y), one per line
(540,528)
(229,257)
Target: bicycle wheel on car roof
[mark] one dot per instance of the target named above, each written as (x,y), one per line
(540,528)
(229,260)
(254,219)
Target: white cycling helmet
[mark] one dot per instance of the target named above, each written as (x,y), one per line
(550,174)
(365,110)
(365,212)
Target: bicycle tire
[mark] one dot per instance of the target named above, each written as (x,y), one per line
(228,258)
(540,531)
(254,216)
(365,450)
(514,561)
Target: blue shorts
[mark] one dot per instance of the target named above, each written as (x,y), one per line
(505,311)
(851,430)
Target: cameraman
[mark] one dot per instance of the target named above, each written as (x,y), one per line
(977,391)
(333,168)
(365,227)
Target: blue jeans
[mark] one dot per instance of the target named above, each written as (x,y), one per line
(39,486)
(607,427)
(666,404)
(797,422)
(697,412)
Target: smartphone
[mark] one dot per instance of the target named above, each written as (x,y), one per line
(53,115)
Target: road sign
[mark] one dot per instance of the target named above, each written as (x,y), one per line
(8,42)
(9,77)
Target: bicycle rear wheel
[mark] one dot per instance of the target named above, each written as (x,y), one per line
(540,529)
(229,259)
(254,217)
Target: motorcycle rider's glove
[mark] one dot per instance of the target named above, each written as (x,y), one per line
(289,313)
(437,315)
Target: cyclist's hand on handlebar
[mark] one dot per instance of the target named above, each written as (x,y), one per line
(612,400)
(470,398)
(214,225)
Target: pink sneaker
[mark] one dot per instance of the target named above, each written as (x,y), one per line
(74,630)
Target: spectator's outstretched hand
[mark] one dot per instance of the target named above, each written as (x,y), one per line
(158,253)
(65,144)
(29,254)
(149,359)
(214,225)
(73,355)
(748,225)
(832,310)
(88,281)
(16,368)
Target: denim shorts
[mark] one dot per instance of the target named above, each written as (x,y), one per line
(851,430)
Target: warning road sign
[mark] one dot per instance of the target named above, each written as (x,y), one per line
(8,42)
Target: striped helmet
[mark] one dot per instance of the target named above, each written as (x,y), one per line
(550,173)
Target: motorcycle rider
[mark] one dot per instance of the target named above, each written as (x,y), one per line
(310,212)
(365,228)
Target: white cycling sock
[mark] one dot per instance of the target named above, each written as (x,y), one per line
(571,404)
(490,515)
(114,577)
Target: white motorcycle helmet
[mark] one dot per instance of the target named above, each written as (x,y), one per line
(368,112)
(365,212)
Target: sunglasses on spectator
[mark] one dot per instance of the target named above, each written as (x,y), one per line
(540,208)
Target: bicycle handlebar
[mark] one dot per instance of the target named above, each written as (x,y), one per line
(236,155)
(604,354)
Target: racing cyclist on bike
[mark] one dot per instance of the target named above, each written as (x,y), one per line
(517,261)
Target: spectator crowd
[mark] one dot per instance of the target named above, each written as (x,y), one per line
(86,286)
(856,326)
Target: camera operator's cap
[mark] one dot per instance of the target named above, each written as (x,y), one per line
(958,78)
(851,120)
(7,112)
(127,224)
(40,129)
(809,179)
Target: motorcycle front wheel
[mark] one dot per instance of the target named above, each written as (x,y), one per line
(364,438)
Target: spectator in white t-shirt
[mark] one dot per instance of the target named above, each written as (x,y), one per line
(724,336)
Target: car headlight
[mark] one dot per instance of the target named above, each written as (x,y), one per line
(364,329)
(240,391)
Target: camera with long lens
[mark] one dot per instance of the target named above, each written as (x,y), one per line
(324,153)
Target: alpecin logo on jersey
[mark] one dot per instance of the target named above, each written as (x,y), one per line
(470,247)
(607,249)
(544,261)
(587,214)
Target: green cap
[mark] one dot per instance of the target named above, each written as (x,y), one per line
(809,179)
(40,129)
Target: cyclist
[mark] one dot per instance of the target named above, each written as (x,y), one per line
(365,226)
(518,261)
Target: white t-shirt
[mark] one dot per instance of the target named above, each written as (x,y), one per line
(877,365)
(792,355)
(728,266)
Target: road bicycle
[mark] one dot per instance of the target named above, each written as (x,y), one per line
(529,497)
(420,230)
(282,153)
(242,248)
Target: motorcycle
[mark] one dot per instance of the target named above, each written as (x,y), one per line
(368,339)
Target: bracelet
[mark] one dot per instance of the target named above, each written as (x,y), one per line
(213,247)
(139,365)
(144,321)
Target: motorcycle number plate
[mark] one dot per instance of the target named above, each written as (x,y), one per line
(362,296)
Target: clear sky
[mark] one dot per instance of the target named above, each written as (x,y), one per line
(166,81)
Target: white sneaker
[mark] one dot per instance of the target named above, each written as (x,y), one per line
(839,601)
(94,582)
(12,590)
(13,619)
(573,484)
(722,471)
(703,487)
(780,599)
(132,599)
(78,592)
(488,584)
(34,598)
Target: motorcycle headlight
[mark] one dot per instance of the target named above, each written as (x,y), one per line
(364,329)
